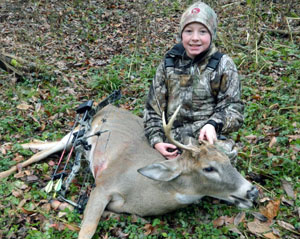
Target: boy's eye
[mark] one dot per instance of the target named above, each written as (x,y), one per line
(188,30)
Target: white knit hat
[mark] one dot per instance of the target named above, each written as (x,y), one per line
(202,13)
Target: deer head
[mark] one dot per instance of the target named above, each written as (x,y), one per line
(201,170)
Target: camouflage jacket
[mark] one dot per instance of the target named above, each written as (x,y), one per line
(206,95)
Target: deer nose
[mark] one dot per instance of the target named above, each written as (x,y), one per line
(252,194)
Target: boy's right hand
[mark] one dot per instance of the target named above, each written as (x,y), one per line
(169,151)
(208,132)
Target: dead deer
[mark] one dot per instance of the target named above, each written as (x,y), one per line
(132,177)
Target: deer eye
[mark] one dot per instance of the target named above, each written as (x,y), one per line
(210,169)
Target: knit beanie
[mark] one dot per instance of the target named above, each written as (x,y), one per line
(202,13)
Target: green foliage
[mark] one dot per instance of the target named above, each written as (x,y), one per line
(133,74)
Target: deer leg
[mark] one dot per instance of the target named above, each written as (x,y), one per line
(35,158)
(39,145)
(93,212)
(58,146)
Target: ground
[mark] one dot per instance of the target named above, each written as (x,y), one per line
(67,52)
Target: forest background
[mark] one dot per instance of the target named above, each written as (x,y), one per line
(57,54)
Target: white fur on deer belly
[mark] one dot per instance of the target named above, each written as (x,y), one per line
(187,199)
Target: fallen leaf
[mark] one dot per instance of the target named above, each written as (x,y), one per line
(7,146)
(120,233)
(24,106)
(223,220)
(251,138)
(72,227)
(20,174)
(239,218)
(235,230)
(46,207)
(295,148)
(286,225)
(31,178)
(65,205)
(58,226)
(293,137)
(34,119)
(219,222)
(42,202)
(55,204)
(38,107)
(256,97)
(264,199)
(258,227)
(28,172)
(276,232)
(22,203)
(42,127)
(17,193)
(28,212)
(272,142)
(259,216)
(3,151)
(271,210)
(149,229)
(270,235)
(286,201)
(61,214)
(288,189)
(20,185)
(18,158)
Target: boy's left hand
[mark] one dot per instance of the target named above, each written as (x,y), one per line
(208,132)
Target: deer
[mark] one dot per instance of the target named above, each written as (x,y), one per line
(132,177)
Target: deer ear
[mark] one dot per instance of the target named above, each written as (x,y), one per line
(163,171)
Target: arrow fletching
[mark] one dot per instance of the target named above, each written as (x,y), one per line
(58,185)
(49,187)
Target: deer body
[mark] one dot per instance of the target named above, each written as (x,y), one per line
(132,177)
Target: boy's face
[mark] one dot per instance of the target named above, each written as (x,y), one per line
(195,39)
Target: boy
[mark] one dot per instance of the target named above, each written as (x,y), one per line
(204,82)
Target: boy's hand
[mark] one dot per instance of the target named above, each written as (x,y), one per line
(169,151)
(208,132)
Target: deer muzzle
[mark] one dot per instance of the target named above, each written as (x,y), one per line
(252,194)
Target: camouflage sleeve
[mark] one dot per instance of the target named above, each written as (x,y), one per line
(228,114)
(155,105)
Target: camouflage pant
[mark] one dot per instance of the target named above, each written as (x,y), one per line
(229,147)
